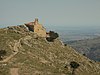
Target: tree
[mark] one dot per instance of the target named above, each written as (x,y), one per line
(74,65)
(2,53)
(52,35)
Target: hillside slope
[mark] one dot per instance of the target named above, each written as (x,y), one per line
(28,54)
(89,47)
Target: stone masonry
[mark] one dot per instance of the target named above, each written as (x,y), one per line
(36,28)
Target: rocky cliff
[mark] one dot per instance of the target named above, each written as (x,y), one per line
(28,54)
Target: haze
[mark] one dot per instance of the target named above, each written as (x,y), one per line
(51,12)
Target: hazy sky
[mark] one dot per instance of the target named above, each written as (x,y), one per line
(51,12)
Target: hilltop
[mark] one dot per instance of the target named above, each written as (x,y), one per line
(29,54)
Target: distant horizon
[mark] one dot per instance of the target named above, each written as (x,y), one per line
(71,33)
(49,25)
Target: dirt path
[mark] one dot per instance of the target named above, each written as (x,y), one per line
(14,71)
(8,58)
(15,48)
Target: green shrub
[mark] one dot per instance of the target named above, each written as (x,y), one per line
(74,65)
(2,53)
(52,35)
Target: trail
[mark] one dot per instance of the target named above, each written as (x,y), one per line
(15,49)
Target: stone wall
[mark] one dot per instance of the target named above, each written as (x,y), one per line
(40,30)
(36,28)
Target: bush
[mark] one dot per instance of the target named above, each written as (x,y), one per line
(65,44)
(2,53)
(74,65)
(52,35)
(50,39)
(84,54)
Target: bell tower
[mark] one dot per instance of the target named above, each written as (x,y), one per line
(36,21)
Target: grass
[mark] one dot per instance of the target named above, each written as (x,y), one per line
(39,57)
